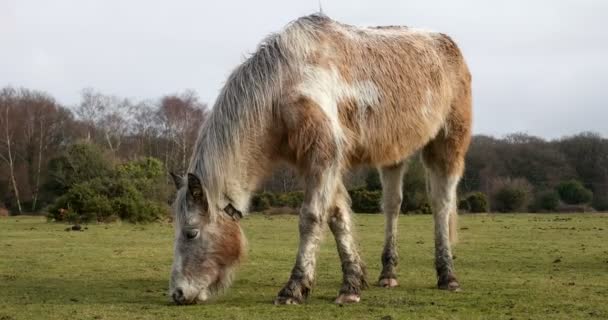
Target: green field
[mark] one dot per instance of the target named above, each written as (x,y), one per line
(510,266)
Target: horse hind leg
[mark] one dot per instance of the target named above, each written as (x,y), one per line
(392,195)
(353,269)
(444,160)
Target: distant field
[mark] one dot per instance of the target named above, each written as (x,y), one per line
(510,266)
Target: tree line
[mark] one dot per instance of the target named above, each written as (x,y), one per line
(516,172)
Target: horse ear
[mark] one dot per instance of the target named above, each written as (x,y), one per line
(178,180)
(196,191)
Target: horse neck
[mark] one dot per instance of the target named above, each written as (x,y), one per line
(237,172)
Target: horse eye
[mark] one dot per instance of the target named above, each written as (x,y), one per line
(191,233)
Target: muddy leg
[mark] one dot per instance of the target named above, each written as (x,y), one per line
(317,202)
(353,269)
(392,195)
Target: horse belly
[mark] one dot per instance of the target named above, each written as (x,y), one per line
(387,138)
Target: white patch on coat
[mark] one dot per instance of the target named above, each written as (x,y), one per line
(327,88)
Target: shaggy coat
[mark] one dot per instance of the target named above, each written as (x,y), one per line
(325,97)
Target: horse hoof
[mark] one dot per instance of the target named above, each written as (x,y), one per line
(452,286)
(388,283)
(346,298)
(285,300)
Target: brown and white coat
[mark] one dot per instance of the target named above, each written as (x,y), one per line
(326,97)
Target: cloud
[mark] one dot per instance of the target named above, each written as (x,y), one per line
(538,66)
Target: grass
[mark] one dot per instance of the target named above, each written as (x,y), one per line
(511,267)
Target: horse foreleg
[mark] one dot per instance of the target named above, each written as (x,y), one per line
(353,269)
(317,200)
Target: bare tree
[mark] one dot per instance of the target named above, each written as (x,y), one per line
(107,113)
(180,116)
(7,121)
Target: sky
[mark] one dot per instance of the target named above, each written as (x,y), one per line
(539,66)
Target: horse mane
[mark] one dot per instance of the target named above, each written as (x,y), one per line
(247,100)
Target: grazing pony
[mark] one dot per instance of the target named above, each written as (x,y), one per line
(324,97)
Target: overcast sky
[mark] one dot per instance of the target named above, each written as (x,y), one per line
(539,66)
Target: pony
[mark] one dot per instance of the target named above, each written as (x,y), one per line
(324,97)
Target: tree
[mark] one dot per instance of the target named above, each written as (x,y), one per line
(9,122)
(180,116)
(573,192)
(105,113)
(587,153)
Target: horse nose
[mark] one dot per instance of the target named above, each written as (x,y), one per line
(178,296)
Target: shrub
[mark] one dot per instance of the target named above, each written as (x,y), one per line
(600,203)
(415,198)
(510,195)
(78,163)
(573,192)
(416,201)
(289,199)
(510,199)
(261,202)
(463,205)
(478,202)
(547,200)
(365,201)
(372,180)
(134,192)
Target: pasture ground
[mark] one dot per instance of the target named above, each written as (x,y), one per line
(522,266)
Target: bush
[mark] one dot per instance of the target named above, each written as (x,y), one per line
(600,203)
(510,195)
(415,198)
(135,191)
(573,192)
(149,177)
(546,201)
(510,199)
(416,201)
(365,201)
(289,199)
(463,205)
(78,163)
(263,201)
(478,202)
(372,180)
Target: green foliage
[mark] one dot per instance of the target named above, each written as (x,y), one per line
(478,202)
(463,205)
(372,180)
(135,191)
(510,199)
(149,177)
(415,198)
(600,203)
(262,201)
(289,199)
(573,192)
(547,200)
(79,162)
(365,201)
